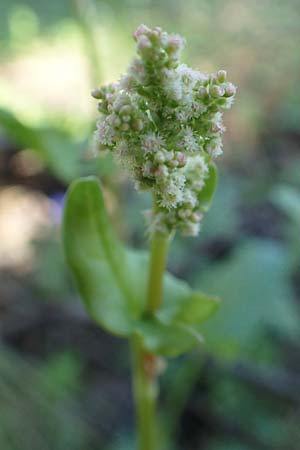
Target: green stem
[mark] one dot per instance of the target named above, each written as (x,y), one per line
(145,394)
(145,386)
(158,258)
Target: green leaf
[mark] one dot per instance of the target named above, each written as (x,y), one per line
(112,280)
(254,284)
(206,195)
(168,339)
(98,261)
(20,133)
(197,308)
(287,198)
(181,304)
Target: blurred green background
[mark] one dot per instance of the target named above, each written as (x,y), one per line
(64,384)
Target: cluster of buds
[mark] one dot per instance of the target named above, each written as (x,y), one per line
(163,122)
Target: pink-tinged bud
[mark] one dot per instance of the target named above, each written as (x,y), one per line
(161,171)
(141,29)
(175,43)
(216,91)
(196,217)
(221,76)
(96,93)
(109,97)
(156,33)
(230,90)
(181,159)
(216,128)
(144,44)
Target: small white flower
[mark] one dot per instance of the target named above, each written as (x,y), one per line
(189,142)
(152,143)
(105,133)
(163,123)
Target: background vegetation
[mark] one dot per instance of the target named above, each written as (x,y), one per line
(64,384)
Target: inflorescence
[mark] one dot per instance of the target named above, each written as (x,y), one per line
(163,122)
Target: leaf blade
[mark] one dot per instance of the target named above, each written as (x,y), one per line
(96,258)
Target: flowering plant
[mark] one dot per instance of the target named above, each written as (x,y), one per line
(163,122)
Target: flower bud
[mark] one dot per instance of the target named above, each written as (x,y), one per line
(203,92)
(196,217)
(175,43)
(141,29)
(96,93)
(216,91)
(144,44)
(221,76)
(161,171)
(181,159)
(230,90)
(160,157)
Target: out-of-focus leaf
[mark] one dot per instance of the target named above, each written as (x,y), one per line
(168,339)
(182,304)
(255,288)
(50,260)
(287,199)
(64,157)
(197,308)
(112,280)
(19,132)
(39,408)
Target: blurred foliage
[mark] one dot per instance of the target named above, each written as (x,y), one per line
(37,409)
(51,55)
(254,285)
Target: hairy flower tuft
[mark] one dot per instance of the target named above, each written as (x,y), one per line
(163,122)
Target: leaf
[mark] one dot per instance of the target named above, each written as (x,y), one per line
(63,156)
(255,288)
(98,260)
(287,199)
(112,280)
(183,305)
(197,308)
(168,339)
(206,195)
(20,133)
